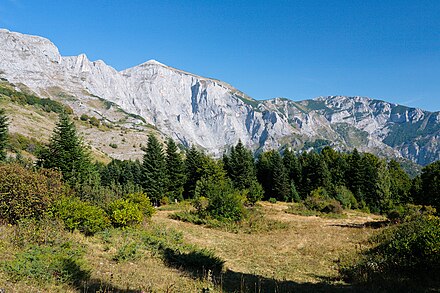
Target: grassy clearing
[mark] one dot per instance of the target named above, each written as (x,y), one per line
(165,255)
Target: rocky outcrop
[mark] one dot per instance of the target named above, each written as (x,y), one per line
(210,113)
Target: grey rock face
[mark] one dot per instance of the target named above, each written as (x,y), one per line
(212,114)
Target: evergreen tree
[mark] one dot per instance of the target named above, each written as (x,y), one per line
(67,153)
(336,164)
(430,186)
(3,134)
(400,183)
(154,170)
(175,171)
(264,173)
(241,168)
(355,175)
(315,173)
(193,171)
(293,166)
(280,179)
(376,183)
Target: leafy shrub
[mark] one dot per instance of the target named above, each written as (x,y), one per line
(143,202)
(127,252)
(94,121)
(321,202)
(63,264)
(345,197)
(46,231)
(80,215)
(84,117)
(408,212)
(130,210)
(223,202)
(228,206)
(254,192)
(406,253)
(125,213)
(272,200)
(26,193)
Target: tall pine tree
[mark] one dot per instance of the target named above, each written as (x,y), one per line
(66,152)
(154,170)
(240,167)
(193,171)
(175,170)
(3,134)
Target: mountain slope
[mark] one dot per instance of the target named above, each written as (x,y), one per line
(210,113)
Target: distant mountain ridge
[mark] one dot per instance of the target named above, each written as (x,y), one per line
(212,114)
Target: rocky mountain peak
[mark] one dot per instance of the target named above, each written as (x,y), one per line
(212,114)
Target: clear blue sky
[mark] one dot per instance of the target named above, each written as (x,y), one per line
(383,49)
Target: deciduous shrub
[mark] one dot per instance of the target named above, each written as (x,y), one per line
(25,193)
(345,197)
(321,202)
(130,210)
(144,203)
(406,253)
(63,264)
(80,215)
(125,213)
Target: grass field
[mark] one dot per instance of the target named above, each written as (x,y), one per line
(299,256)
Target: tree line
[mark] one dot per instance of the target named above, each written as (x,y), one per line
(168,174)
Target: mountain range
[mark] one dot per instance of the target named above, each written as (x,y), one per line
(209,113)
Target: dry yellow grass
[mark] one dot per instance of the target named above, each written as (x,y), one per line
(305,252)
(300,257)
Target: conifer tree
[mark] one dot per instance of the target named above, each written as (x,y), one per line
(241,168)
(193,171)
(315,173)
(3,134)
(280,179)
(430,186)
(355,175)
(175,170)
(154,170)
(400,183)
(67,153)
(293,166)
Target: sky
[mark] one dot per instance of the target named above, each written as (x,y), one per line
(296,49)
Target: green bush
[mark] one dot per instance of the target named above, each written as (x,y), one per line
(94,121)
(82,216)
(143,202)
(130,210)
(272,200)
(124,213)
(345,197)
(228,206)
(254,193)
(409,212)
(46,231)
(127,252)
(321,202)
(26,193)
(63,264)
(84,117)
(223,202)
(406,253)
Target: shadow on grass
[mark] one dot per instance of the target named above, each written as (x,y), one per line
(372,225)
(199,263)
(95,285)
(204,265)
(231,281)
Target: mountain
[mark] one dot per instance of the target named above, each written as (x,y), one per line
(208,112)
